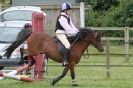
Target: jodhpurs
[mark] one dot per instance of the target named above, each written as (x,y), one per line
(62,37)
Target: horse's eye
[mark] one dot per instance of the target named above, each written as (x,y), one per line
(99,40)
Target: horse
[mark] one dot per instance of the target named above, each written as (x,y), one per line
(38,42)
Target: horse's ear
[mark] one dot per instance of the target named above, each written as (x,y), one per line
(99,34)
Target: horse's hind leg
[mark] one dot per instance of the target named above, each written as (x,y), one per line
(55,80)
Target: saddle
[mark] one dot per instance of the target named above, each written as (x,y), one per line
(71,39)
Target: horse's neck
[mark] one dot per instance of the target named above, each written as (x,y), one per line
(83,47)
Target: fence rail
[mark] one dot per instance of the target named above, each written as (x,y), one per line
(111,28)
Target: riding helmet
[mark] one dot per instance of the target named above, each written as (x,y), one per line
(66,6)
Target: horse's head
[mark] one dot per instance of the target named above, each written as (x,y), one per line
(93,37)
(96,41)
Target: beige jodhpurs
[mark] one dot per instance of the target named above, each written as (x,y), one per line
(62,37)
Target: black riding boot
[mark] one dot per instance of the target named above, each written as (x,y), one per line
(65,57)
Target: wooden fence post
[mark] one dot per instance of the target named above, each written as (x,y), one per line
(107,59)
(126,35)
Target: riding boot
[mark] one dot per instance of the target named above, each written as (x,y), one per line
(65,57)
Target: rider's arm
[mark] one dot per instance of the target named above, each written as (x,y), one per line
(72,25)
(68,29)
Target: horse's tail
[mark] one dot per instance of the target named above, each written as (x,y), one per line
(21,38)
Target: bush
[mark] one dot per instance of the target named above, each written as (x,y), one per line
(110,13)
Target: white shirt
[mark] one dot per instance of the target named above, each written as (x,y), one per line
(70,29)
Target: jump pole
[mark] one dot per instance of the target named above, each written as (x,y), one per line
(12,74)
(25,79)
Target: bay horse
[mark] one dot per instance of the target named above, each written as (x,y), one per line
(42,42)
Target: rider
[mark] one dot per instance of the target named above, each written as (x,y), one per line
(65,28)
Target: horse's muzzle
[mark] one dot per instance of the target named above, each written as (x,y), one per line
(101,50)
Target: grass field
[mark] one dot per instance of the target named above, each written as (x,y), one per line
(87,77)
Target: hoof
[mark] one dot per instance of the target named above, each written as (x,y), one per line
(75,85)
(52,83)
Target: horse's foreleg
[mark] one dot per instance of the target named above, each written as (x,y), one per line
(55,80)
(73,75)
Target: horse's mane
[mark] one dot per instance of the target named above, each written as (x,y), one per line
(83,30)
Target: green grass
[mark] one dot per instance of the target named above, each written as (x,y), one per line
(87,76)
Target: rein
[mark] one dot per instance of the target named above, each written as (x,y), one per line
(74,41)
